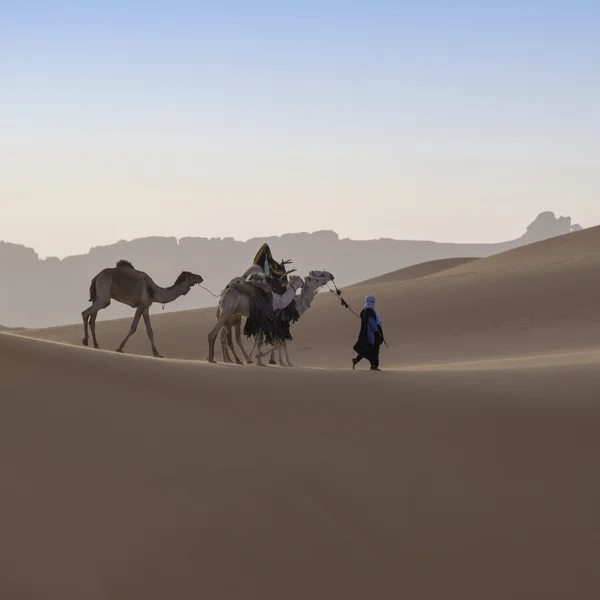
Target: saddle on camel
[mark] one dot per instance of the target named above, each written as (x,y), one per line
(276,276)
(275,272)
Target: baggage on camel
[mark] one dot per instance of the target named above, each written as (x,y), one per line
(277,278)
(275,271)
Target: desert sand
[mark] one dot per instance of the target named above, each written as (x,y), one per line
(467,469)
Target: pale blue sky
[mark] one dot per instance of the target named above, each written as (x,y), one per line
(454,121)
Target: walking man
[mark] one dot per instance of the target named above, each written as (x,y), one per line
(370,337)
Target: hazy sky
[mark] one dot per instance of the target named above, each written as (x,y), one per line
(446,120)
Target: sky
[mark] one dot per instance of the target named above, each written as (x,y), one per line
(451,121)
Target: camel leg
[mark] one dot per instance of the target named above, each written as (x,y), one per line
(146,315)
(232,347)
(287,356)
(238,338)
(86,316)
(280,355)
(277,347)
(252,351)
(93,329)
(226,335)
(133,328)
(212,336)
(256,350)
(86,336)
(259,362)
(267,351)
(224,348)
(227,344)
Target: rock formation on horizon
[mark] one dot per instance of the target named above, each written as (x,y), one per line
(547,225)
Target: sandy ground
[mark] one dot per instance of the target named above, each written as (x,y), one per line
(468,469)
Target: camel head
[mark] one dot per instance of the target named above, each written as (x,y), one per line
(318,276)
(188,279)
(316,280)
(295,281)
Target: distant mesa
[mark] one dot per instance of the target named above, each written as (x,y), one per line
(219,259)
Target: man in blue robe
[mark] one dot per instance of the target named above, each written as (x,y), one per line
(370,337)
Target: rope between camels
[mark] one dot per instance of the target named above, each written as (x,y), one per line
(205,288)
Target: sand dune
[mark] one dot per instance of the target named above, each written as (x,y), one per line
(465,471)
(129,477)
(425,269)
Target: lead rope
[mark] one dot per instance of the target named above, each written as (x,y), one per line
(338,294)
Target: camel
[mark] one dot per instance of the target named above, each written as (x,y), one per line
(256,275)
(312,284)
(235,299)
(127,285)
(310,287)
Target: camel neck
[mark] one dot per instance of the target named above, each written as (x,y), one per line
(303,302)
(166,295)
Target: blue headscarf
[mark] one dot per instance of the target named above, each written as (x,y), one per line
(372,323)
(370,303)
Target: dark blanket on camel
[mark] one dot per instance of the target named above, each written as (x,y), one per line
(284,318)
(263,320)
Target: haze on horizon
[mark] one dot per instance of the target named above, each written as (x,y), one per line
(446,121)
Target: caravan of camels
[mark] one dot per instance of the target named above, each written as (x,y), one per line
(267,295)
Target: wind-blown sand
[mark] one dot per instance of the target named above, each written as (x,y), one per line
(465,471)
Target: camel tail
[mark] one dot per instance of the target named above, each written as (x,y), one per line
(93,290)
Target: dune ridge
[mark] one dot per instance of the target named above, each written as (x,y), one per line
(417,271)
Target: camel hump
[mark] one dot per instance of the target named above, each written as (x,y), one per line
(250,287)
(125,263)
(251,270)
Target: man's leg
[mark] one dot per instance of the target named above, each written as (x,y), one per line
(356,360)
(374,359)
